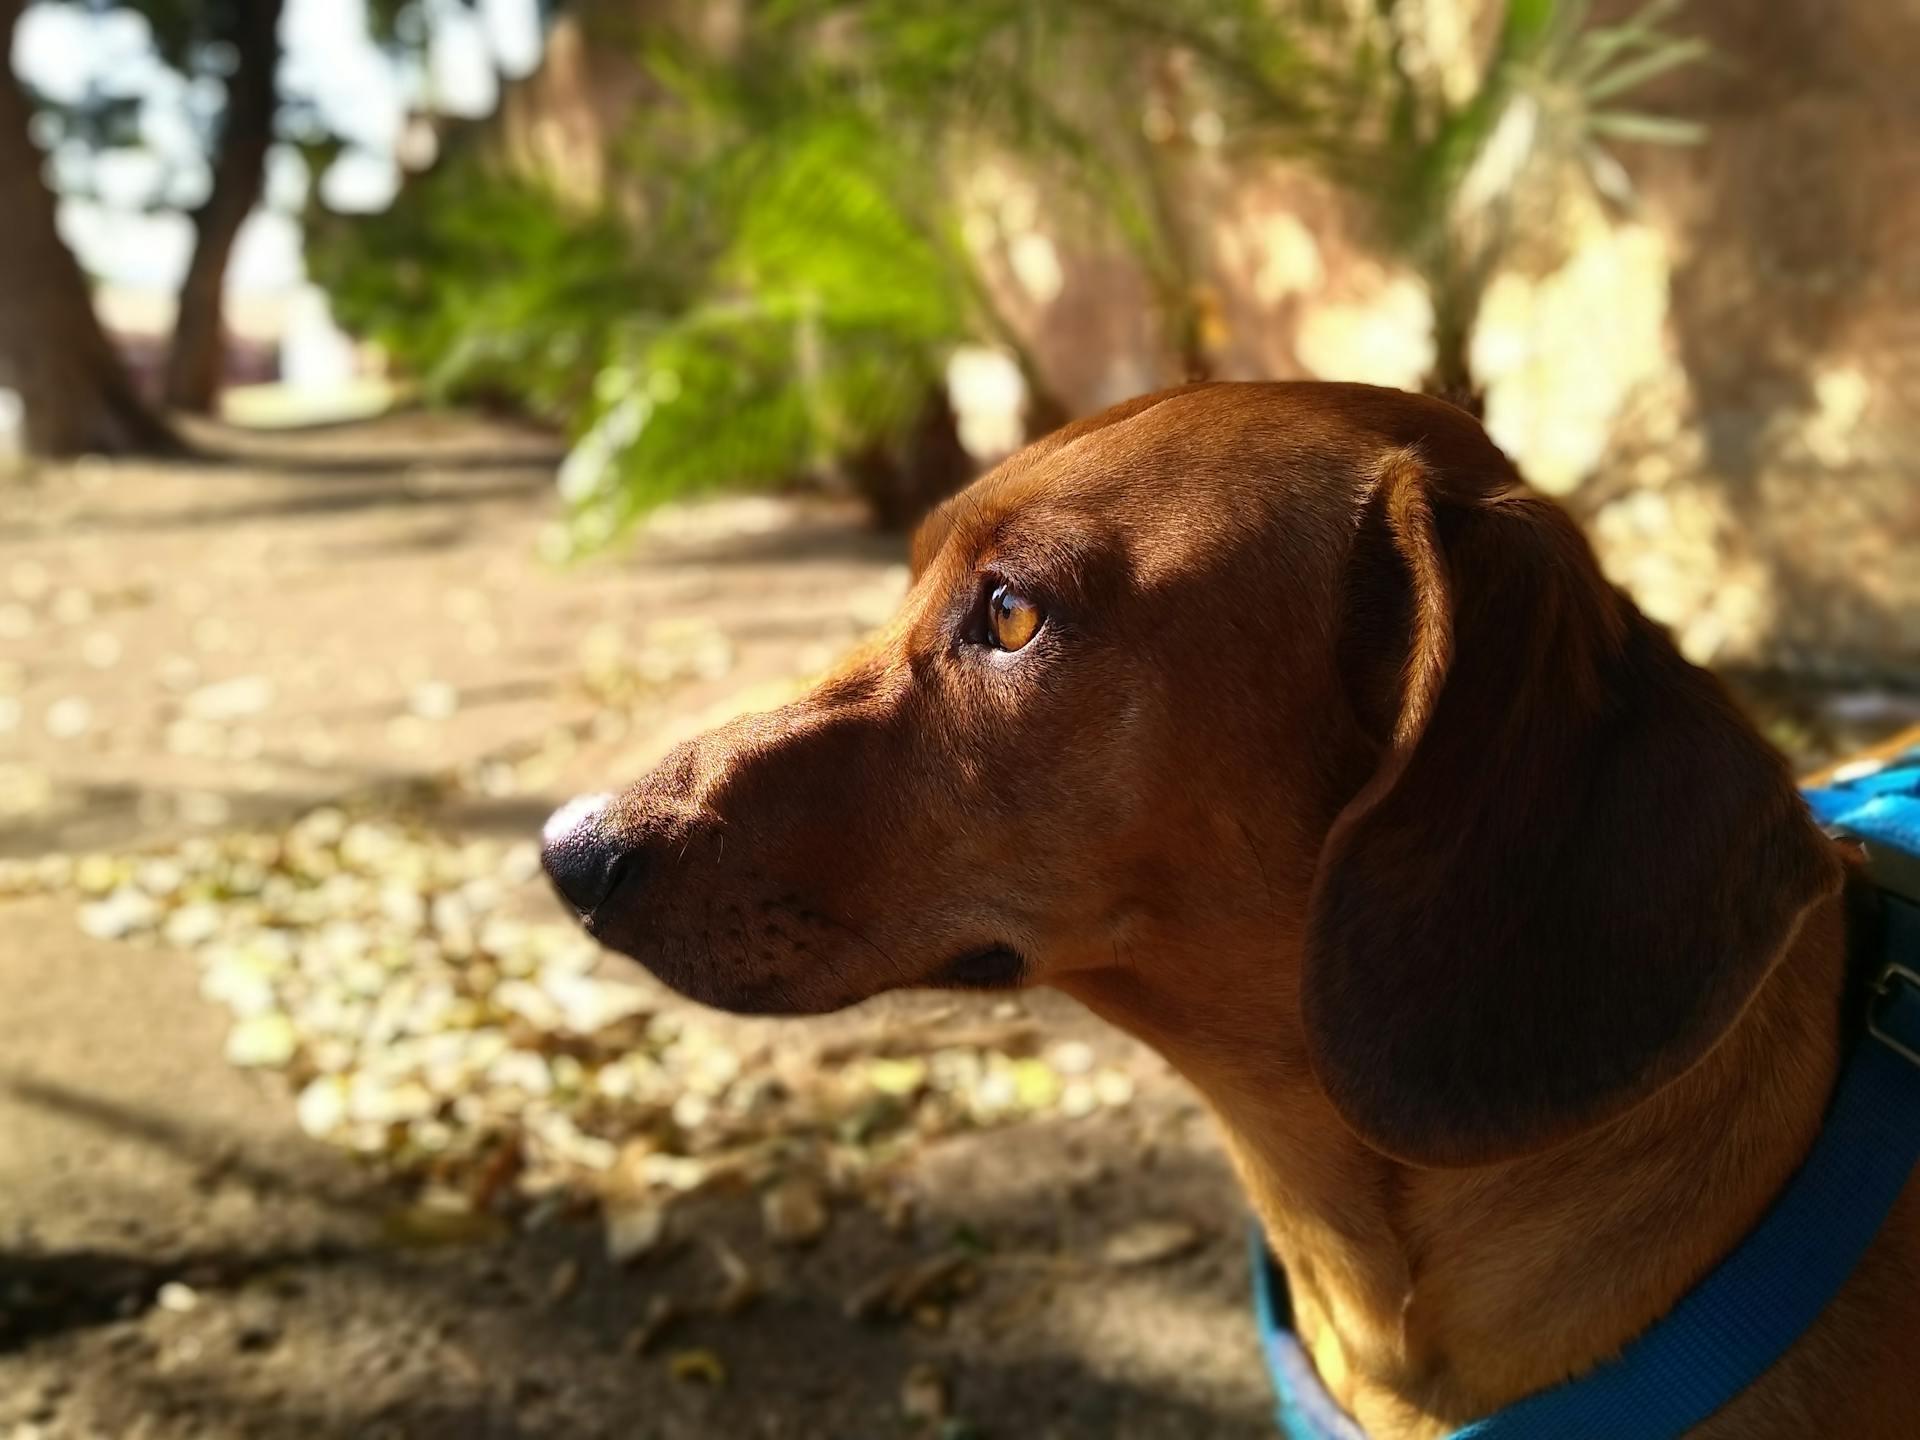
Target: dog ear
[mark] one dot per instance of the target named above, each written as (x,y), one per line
(1575,861)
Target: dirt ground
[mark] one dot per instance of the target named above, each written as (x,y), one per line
(365,612)
(364,615)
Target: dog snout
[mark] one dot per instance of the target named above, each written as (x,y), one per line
(582,854)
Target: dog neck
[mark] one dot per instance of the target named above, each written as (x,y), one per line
(1430,1297)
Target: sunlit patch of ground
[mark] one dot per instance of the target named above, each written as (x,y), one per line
(317,1117)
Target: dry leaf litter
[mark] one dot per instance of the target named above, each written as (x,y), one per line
(377,965)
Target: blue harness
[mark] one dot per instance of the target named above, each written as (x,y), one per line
(1744,1315)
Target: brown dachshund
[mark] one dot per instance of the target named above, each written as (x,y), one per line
(1279,725)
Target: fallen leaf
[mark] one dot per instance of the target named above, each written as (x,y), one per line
(633,1229)
(901,1292)
(661,1314)
(264,1041)
(421,1227)
(564,1281)
(697,1367)
(899,1078)
(739,1287)
(925,1395)
(503,1165)
(794,1212)
(1149,1243)
(176,1299)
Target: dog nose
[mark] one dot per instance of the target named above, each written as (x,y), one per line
(581,857)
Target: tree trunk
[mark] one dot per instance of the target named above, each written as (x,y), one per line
(901,482)
(197,359)
(1457,277)
(76,394)
(1451,378)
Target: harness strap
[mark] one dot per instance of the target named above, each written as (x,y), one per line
(1306,1411)
(1747,1312)
(1740,1319)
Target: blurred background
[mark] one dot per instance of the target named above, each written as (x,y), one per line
(414,412)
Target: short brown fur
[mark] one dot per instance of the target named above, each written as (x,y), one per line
(1498,941)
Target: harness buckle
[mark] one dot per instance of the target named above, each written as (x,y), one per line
(1883,987)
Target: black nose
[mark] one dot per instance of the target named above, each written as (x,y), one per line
(582,858)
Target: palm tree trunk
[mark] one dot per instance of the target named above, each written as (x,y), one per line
(197,360)
(75,393)
(1451,376)
(1457,291)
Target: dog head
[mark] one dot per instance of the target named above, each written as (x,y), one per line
(1277,712)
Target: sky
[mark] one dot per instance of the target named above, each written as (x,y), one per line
(124,211)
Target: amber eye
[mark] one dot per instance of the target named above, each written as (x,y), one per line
(1012,619)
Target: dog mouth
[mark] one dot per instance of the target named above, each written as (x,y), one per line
(992,967)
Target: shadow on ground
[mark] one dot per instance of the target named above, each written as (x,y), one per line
(351,1335)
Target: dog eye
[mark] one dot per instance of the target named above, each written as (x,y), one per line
(1012,619)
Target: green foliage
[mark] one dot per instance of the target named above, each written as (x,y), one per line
(485,288)
(1456,188)
(826,309)
(814,166)
(792,275)
(829,289)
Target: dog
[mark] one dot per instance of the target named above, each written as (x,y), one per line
(1281,726)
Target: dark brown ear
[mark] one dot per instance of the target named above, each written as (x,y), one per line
(1576,861)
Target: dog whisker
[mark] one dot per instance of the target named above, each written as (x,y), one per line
(898,969)
(1259,862)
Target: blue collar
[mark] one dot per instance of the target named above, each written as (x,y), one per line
(1744,1315)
